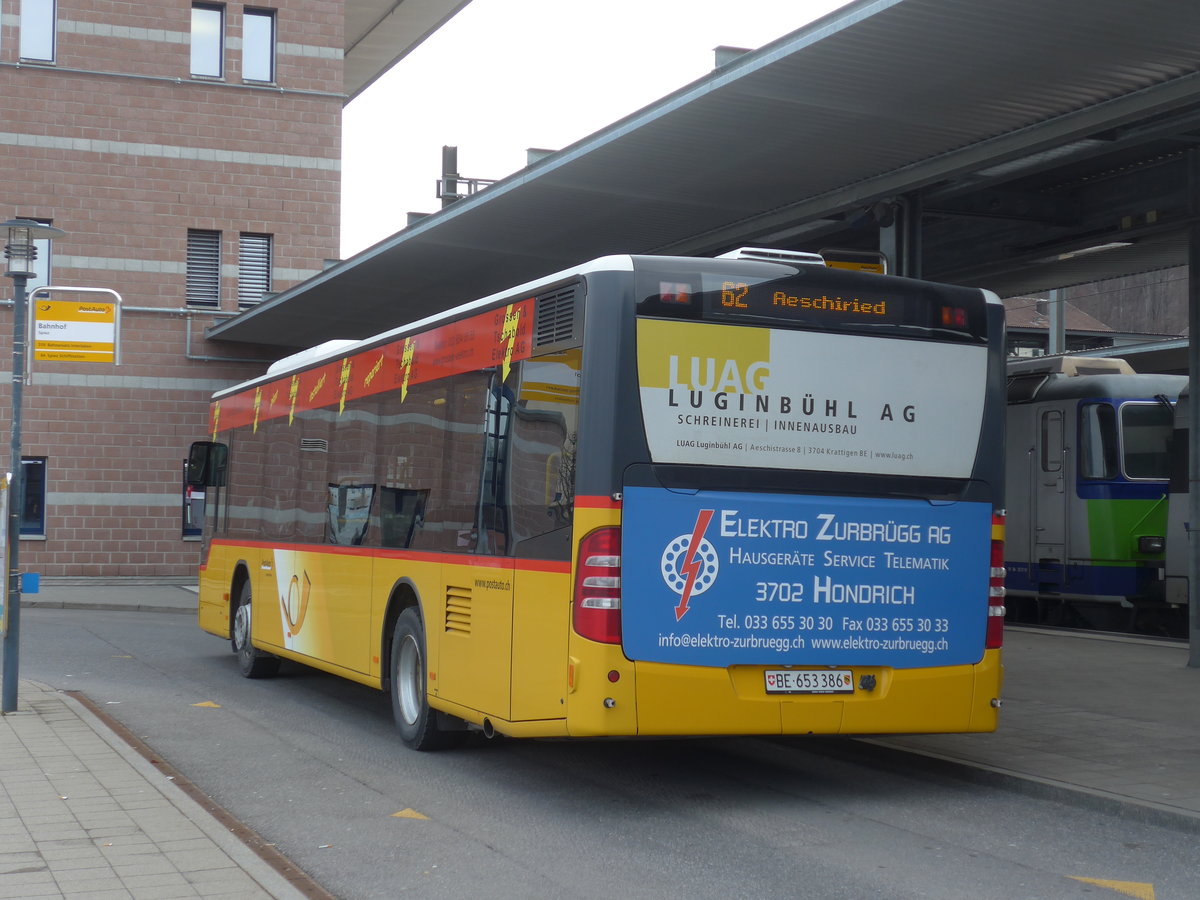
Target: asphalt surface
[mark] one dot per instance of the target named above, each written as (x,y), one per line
(84,810)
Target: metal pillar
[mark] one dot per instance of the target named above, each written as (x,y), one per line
(1193,513)
(1057,322)
(900,234)
(16,494)
(20,251)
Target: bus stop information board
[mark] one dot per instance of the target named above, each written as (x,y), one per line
(75,330)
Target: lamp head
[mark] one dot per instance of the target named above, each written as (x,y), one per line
(19,248)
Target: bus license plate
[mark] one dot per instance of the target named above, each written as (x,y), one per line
(809,681)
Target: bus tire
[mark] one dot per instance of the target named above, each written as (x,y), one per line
(418,724)
(252,662)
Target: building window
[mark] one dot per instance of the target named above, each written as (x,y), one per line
(33,510)
(37,29)
(254,268)
(208,44)
(258,45)
(203,267)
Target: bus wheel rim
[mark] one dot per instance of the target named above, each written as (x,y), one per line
(409,676)
(241,626)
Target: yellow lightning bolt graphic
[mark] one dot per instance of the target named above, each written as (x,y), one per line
(406,360)
(216,419)
(375,370)
(293,390)
(257,408)
(512,319)
(344,383)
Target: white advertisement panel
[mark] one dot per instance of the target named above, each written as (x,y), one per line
(771,398)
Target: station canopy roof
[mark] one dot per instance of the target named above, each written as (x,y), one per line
(1043,144)
(379,33)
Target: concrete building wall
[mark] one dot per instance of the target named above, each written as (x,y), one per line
(117,143)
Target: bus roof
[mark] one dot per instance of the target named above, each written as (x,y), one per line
(334,349)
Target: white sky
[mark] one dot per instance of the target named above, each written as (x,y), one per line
(506,75)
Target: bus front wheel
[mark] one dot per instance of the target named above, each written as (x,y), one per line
(252,662)
(417,723)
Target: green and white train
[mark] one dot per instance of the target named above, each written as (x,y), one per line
(1089,452)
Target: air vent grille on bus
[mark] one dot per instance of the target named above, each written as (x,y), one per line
(554,317)
(458,609)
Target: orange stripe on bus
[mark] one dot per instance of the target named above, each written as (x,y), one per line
(457,559)
(596,501)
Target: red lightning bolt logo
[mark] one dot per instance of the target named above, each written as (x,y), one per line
(691,566)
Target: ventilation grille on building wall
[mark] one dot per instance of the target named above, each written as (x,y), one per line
(203,267)
(555,320)
(316,445)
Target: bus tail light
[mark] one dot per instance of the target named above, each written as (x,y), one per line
(995,610)
(597,614)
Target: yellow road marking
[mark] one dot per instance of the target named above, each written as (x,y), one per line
(208,704)
(1128,888)
(409,813)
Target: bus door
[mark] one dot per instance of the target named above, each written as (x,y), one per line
(1050,498)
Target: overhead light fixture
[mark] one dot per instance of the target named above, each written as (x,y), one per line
(1087,251)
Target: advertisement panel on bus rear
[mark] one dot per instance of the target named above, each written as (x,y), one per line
(729,395)
(726,578)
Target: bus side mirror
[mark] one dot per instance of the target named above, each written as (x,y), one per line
(207,461)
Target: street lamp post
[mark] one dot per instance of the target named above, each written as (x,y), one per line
(20,252)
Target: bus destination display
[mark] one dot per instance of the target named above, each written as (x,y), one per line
(777,299)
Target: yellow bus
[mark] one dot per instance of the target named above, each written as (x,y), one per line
(646,496)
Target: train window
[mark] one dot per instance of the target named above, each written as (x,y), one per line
(1097,441)
(1052,440)
(1145,433)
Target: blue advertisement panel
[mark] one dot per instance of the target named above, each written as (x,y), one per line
(723,578)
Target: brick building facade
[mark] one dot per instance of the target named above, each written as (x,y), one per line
(191,152)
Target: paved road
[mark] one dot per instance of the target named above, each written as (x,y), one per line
(312,763)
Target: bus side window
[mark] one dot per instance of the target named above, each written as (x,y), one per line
(1098,451)
(351,488)
(401,513)
(433,444)
(281,479)
(541,464)
(207,461)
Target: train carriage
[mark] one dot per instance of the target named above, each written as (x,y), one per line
(1088,464)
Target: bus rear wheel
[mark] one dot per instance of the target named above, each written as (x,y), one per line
(418,724)
(252,662)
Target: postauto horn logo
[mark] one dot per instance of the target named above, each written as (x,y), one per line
(689,564)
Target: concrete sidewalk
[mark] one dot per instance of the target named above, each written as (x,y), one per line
(1109,721)
(1112,719)
(83,815)
(140,595)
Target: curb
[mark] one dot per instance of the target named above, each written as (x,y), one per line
(1077,795)
(26,603)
